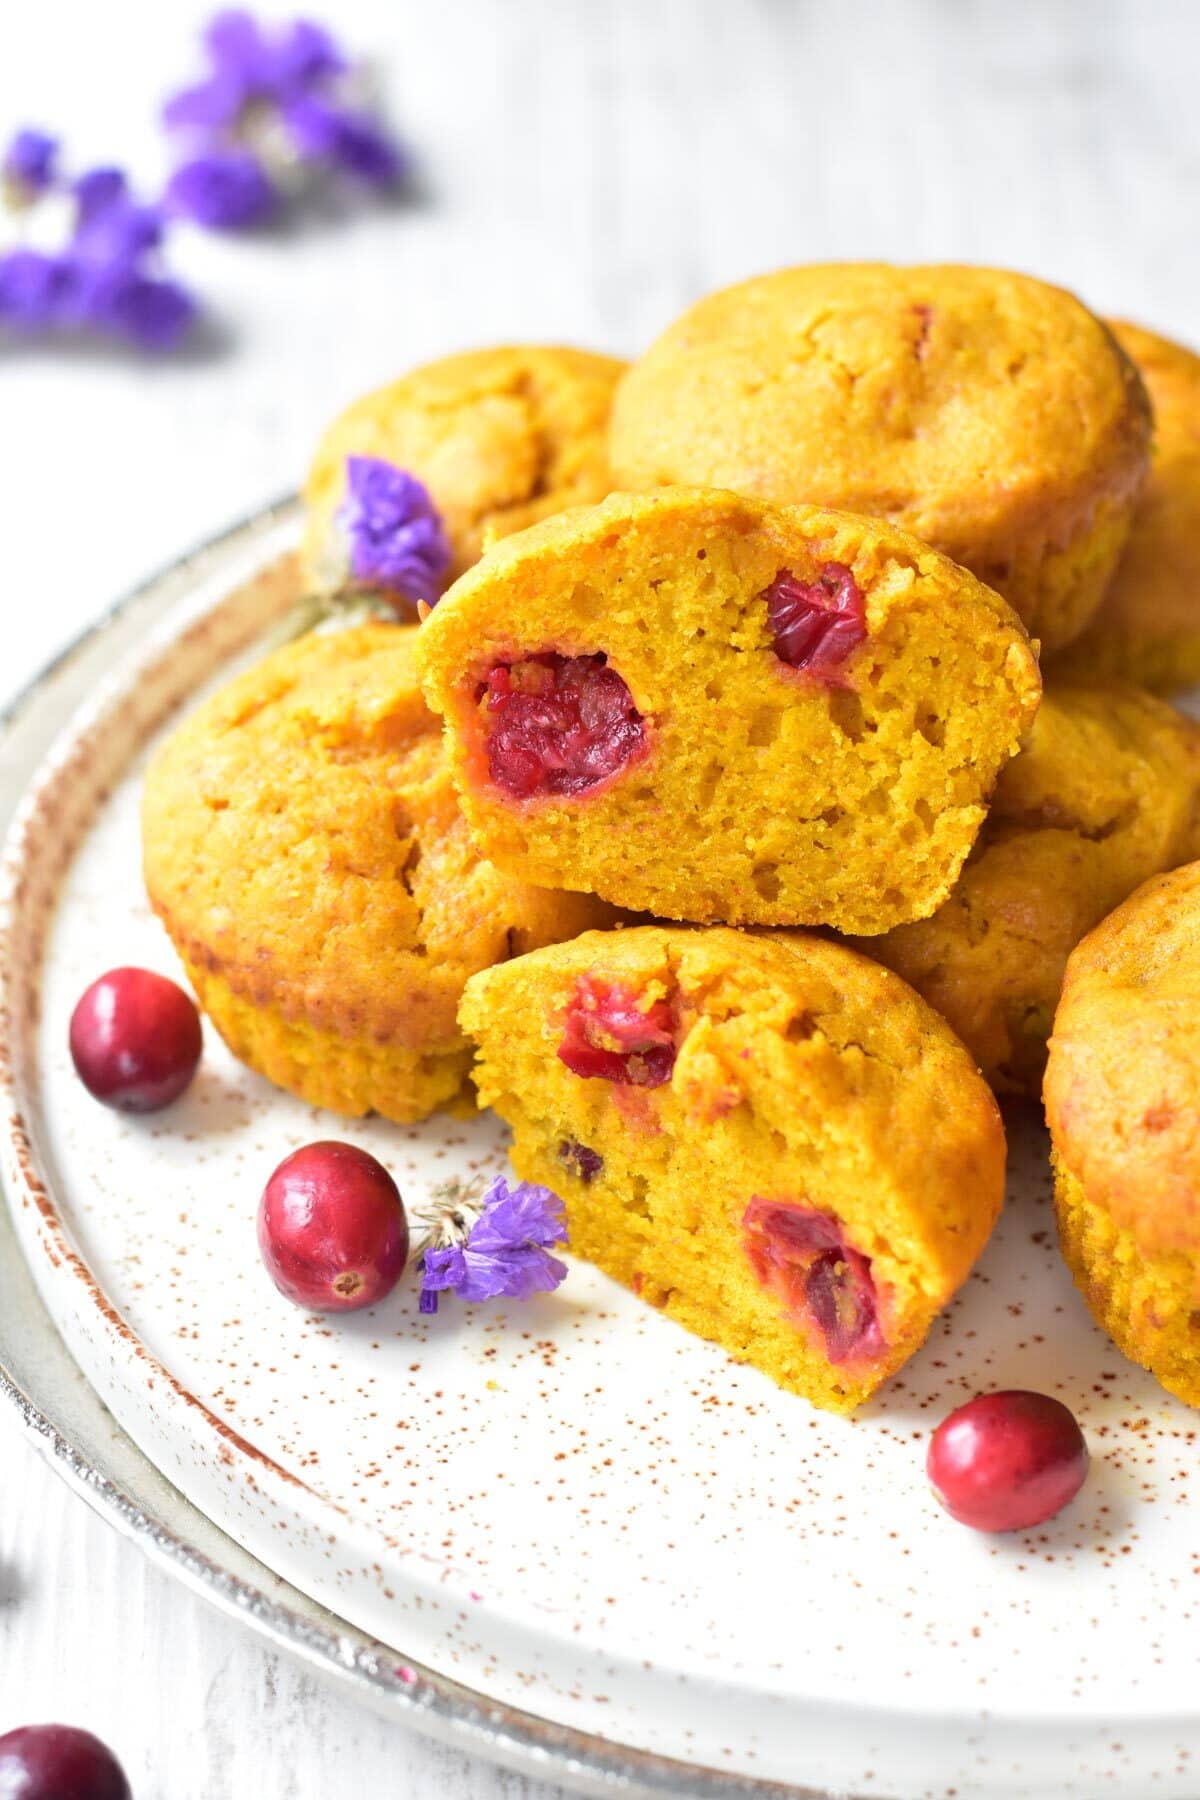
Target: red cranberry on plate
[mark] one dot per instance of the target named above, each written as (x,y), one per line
(135,1040)
(59,1762)
(1007,1461)
(331,1228)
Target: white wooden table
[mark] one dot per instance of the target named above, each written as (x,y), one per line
(589,166)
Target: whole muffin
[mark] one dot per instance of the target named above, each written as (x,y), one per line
(1122,1100)
(1148,626)
(989,414)
(499,437)
(1106,795)
(738,1125)
(305,850)
(701,706)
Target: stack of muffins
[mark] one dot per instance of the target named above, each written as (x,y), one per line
(743,640)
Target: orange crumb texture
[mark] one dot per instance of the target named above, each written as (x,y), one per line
(1122,1099)
(766,796)
(304,848)
(807,1081)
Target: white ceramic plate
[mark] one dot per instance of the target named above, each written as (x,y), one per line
(571,1507)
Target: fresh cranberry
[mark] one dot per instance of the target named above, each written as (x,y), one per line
(58,1762)
(816,624)
(581,1161)
(1007,1461)
(802,1256)
(331,1228)
(559,724)
(135,1040)
(610,1038)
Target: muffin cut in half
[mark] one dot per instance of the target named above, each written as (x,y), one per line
(499,437)
(989,413)
(768,1136)
(705,707)
(1122,1100)
(1148,626)
(304,848)
(1106,795)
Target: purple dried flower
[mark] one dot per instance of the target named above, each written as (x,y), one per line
(124,301)
(393,530)
(224,190)
(238,54)
(344,139)
(110,225)
(504,1252)
(305,56)
(34,288)
(284,96)
(248,66)
(29,164)
(97,190)
(107,278)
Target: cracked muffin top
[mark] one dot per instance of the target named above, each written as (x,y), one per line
(988,413)
(1106,794)
(499,437)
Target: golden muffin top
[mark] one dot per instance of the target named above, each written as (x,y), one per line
(973,406)
(1123,1082)
(499,437)
(302,838)
(1106,793)
(1154,599)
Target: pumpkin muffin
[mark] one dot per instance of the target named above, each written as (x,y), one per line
(701,706)
(1122,1100)
(739,1126)
(989,414)
(1106,795)
(499,437)
(1148,627)
(305,850)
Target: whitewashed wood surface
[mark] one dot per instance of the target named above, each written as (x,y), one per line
(588,166)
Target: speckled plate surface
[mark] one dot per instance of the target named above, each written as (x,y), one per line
(571,1508)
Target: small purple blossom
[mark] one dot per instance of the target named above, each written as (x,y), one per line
(350,141)
(505,1252)
(285,98)
(111,226)
(29,165)
(106,279)
(394,532)
(33,289)
(223,190)
(121,300)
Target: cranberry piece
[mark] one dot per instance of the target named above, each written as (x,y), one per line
(816,624)
(559,724)
(802,1256)
(581,1161)
(135,1040)
(610,1038)
(331,1228)
(59,1762)
(1007,1461)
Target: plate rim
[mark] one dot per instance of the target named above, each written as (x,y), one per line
(421,1697)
